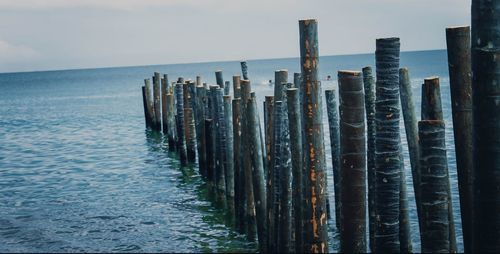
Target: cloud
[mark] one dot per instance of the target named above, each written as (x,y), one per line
(11,53)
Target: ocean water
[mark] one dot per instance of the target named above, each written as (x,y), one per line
(79,172)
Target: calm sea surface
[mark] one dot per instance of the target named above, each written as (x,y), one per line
(79,172)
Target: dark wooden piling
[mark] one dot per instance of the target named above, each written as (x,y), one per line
(200,128)
(181,142)
(410,121)
(229,161)
(190,135)
(164,91)
(294,118)
(296,79)
(220,139)
(219,80)
(485,54)
(315,226)
(274,219)
(333,123)
(171,131)
(353,162)
(459,66)
(239,176)
(198,81)
(369,87)
(247,162)
(268,129)
(435,185)
(227,87)
(404,211)
(387,164)
(244,69)
(210,150)
(432,110)
(191,94)
(157,101)
(280,77)
(259,187)
(236,86)
(146,100)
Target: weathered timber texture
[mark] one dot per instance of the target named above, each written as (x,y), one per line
(157,101)
(164,91)
(333,123)
(181,142)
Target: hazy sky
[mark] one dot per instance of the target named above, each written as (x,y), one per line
(57,34)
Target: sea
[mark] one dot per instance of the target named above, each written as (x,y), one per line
(79,172)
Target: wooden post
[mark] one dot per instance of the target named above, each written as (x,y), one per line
(191,90)
(244,70)
(333,123)
(459,65)
(229,161)
(190,134)
(410,121)
(219,80)
(280,77)
(274,221)
(369,87)
(157,101)
(236,86)
(227,87)
(435,185)
(315,226)
(239,175)
(164,91)
(146,99)
(432,110)
(198,81)
(294,118)
(220,149)
(296,80)
(268,129)
(181,143)
(387,164)
(404,216)
(210,143)
(200,128)
(353,162)
(171,133)
(259,188)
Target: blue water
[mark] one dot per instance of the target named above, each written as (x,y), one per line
(78,171)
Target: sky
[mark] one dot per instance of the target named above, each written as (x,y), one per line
(69,34)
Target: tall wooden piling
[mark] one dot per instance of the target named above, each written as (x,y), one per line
(210,150)
(268,129)
(459,65)
(369,87)
(485,53)
(191,94)
(146,99)
(435,185)
(171,131)
(404,211)
(247,162)
(315,226)
(229,161)
(333,123)
(190,135)
(410,121)
(219,80)
(353,162)
(244,69)
(200,128)
(280,77)
(218,116)
(274,220)
(239,175)
(259,188)
(387,164)
(296,79)
(181,142)
(164,91)
(432,110)
(227,87)
(157,101)
(198,81)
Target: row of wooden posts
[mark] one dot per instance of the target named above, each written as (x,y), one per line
(275,179)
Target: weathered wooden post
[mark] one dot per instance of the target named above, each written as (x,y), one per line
(198,81)
(148,104)
(434,187)
(164,91)
(244,70)
(181,143)
(191,90)
(190,135)
(459,65)
(315,222)
(236,86)
(229,161)
(294,117)
(404,215)
(280,77)
(219,80)
(268,130)
(200,128)
(246,161)
(432,110)
(259,188)
(274,220)
(171,133)
(220,149)
(387,164)
(210,150)
(353,162)
(157,101)
(239,175)
(333,123)
(369,87)
(227,87)
(410,121)
(296,79)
